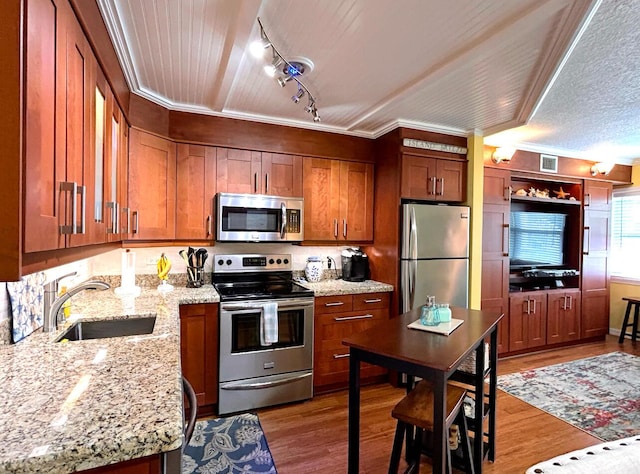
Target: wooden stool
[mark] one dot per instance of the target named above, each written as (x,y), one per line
(416,410)
(625,323)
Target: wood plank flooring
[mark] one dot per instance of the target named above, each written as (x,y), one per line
(311,437)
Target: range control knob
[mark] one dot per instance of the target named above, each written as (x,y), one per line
(271,261)
(286,261)
(229,262)
(278,261)
(220,262)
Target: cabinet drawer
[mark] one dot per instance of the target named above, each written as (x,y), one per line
(370,301)
(333,304)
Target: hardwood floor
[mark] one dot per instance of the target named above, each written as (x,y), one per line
(311,437)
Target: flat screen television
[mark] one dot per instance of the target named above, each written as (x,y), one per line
(537,239)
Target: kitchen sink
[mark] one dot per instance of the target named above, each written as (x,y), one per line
(108,328)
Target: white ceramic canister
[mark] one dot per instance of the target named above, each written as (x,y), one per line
(313,270)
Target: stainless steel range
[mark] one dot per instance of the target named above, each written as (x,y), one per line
(266,332)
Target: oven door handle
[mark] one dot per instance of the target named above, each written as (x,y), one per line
(248,307)
(258,385)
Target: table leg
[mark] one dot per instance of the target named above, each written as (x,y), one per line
(493,388)
(440,435)
(354,413)
(478,442)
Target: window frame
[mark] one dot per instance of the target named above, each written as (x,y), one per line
(616,274)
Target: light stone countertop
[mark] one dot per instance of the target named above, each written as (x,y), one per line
(342,287)
(73,406)
(77,405)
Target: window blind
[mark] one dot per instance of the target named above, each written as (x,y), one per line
(625,235)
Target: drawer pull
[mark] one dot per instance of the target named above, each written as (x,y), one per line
(375,300)
(351,318)
(337,303)
(341,356)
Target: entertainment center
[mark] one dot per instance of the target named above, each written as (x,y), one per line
(545,253)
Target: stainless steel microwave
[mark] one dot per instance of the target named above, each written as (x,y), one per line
(259,218)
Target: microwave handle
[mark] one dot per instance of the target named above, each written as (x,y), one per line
(283,227)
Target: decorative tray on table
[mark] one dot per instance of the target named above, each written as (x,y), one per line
(442,328)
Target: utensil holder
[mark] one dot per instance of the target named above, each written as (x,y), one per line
(195,277)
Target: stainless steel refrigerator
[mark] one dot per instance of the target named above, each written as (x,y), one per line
(434,258)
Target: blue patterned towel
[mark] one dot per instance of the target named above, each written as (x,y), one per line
(27,304)
(269,324)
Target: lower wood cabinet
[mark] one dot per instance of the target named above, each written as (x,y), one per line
(545,317)
(199,352)
(146,465)
(337,317)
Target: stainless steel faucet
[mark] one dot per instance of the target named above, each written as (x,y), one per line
(50,294)
(52,318)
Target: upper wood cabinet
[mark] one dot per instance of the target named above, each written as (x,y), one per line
(253,172)
(338,200)
(58,164)
(195,191)
(152,186)
(433,179)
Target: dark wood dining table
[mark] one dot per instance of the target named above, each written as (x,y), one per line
(430,356)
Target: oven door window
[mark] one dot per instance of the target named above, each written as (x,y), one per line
(237,219)
(245,329)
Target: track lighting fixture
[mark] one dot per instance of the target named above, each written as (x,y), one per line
(285,70)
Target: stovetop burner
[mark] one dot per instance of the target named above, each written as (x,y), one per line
(252,277)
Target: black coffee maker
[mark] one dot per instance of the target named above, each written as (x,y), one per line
(355,265)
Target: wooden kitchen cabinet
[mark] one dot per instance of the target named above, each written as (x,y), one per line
(338,200)
(199,352)
(527,320)
(335,318)
(196,190)
(495,249)
(57,156)
(253,172)
(563,315)
(433,179)
(152,186)
(595,258)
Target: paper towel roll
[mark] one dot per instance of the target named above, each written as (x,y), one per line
(128,270)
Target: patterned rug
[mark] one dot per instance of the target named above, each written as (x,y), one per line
(228,445)
(600,395)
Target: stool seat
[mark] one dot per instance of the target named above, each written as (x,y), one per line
(416,410)
(631,302)
(417,407)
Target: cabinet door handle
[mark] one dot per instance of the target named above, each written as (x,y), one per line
(353,318)
(209,225)
(587,199)
(337,303)
(505,239)
(528,306)
(441,186)
(570,298)
(564,303)
(433,185)
(127,211)
(587,240)
(534,306)
(335,228)
(80,227)
(375,300)
(506,194)
(117,217)
(255,183)
(344,228)
(341,356)
(266,183)
(136,218)
(112,206)
(69,189)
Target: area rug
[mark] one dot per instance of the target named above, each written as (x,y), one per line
(228,445)
(600,395)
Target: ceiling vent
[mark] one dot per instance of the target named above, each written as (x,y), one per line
(549,163)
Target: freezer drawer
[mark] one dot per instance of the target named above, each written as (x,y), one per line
(446,279)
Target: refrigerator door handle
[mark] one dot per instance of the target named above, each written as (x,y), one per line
(408,279)
(413,235)
(413,266)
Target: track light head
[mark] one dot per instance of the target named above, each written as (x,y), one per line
(299,95)
(282,80)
